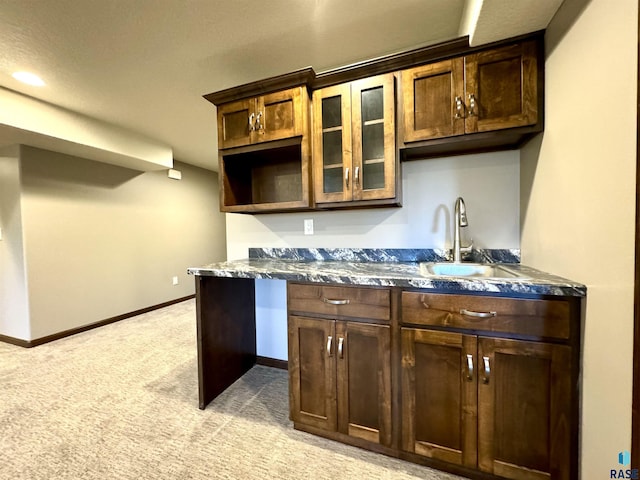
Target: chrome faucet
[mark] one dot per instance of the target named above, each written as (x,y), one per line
(460,221)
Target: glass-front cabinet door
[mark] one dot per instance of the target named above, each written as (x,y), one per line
(374,149)
(332,144)
(354,141)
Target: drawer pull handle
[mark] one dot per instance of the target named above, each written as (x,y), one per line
(424,304)
(340,345)
(487,370)
(335,302)
(470,313)
(329,341)
(470,367)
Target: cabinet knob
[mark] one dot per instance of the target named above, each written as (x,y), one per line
(472,105)
(340,345)
(329,342)
(259,126)
(356,175)
(346,177)
(251,117)
(459,108)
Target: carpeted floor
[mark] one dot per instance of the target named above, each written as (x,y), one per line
(120,402)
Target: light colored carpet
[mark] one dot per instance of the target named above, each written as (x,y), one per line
(120,402)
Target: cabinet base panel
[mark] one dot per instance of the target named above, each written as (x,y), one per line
(226,338)
(392,452)
(510,139)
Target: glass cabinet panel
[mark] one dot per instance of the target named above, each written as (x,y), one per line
(332,144)
(372,115)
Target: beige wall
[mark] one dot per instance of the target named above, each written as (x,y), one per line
(578,197)
(102,240)
(14,302)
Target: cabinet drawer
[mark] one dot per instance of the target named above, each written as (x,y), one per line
(369,303)
(540,318)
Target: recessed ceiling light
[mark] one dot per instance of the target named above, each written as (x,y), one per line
(28,78)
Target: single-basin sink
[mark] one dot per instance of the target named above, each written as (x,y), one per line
(482,270)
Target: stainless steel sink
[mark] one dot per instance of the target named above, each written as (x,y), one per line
(474,270)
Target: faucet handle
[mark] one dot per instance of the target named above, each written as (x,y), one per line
(468,248)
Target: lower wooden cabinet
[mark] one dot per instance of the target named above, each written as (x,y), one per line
(340,377)
(496,404)
(483,386)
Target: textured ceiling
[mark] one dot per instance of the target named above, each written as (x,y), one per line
(144,64)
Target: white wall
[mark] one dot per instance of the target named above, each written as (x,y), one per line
(14,302)
(489,184)
(578,198)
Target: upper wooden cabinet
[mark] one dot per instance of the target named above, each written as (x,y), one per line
(264,145)
(280,151)
(354,149)
(273,116)
(486,91)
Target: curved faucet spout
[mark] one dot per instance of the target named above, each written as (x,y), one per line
(460,213)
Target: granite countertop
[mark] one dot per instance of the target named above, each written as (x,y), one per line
(388,267)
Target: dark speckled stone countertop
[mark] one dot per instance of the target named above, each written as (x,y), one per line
(388,267)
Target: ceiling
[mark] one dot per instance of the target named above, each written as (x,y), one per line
(144,65)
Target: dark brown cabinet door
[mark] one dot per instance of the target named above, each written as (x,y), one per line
(269,117)
(439,388)
(433,100)
(332,169)
(312,367)
(364,381)
(524,409)
(235,123)
(279,115)
(501,88)
(374,134)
